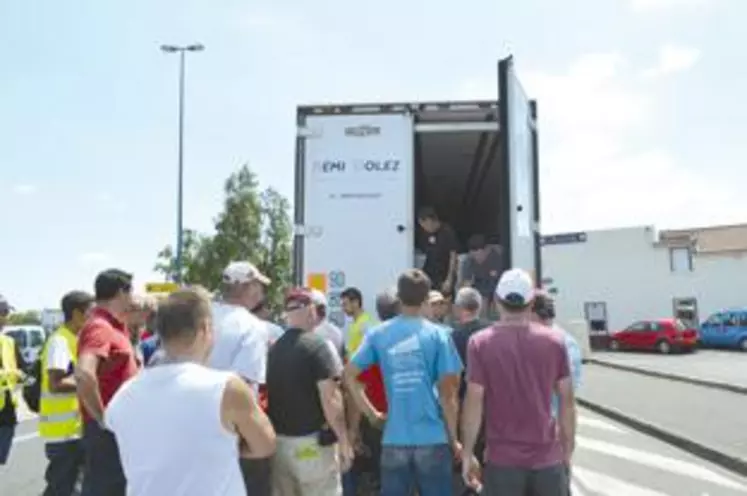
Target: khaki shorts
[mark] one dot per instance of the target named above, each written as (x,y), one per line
(301,467)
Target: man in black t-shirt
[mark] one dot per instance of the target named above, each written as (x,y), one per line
(305,405)
(440,245)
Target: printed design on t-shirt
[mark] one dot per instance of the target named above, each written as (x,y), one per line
(407,363)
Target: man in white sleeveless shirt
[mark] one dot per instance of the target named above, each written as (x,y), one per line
(180,425)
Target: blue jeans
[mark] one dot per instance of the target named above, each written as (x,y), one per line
(6,441)
(427,469)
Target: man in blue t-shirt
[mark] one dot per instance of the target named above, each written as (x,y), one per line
(421,370)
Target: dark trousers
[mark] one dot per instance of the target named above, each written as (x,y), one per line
(510,481)
(65,465)
(103,468)
(364,477)
(256,474)
(7,432)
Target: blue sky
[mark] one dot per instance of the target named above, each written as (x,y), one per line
(641,118)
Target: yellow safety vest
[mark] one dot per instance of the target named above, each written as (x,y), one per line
(59,414)
(9,372)
(355,332)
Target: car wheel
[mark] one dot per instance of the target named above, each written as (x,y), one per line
(743,344)
(615,345)
(663,347)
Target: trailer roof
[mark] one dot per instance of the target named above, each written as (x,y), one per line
(478,110)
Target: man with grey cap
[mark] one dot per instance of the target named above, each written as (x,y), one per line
(241,343)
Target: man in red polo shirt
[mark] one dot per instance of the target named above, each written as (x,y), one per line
(106,359)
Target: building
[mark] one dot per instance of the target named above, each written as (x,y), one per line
(614,277)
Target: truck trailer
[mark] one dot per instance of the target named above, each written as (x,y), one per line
(363,170)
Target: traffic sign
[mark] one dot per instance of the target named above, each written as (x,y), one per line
(161,287)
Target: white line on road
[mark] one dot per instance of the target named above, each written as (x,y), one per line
(605,485)
(672,465)
(25,437)
(600,424)
(575,490)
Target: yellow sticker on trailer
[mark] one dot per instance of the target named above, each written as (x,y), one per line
(317,281)
(161,287)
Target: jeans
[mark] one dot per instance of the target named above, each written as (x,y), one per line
(427,469)
(103,468)
(65,465)
(6,441)
(510,481)
(257,476)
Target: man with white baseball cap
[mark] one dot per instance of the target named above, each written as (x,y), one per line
(513,369)
(324,327)
(241,342)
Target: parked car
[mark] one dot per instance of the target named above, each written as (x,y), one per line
(725,329)
(29,338)
(662,335)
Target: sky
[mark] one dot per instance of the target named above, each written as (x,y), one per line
(641,117)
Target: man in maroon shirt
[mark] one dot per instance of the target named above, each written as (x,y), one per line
(106,359)
(514,367)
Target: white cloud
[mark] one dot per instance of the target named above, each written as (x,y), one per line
(672,59)
(25,189)
(600,161)
(646,6)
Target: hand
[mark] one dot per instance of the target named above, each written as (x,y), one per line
(377,420)
(471,471)
(354,438)
(346,456)
(456,450)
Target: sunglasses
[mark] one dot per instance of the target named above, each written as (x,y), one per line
(296,306)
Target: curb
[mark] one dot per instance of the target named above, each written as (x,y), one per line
(735,464)
(732,388)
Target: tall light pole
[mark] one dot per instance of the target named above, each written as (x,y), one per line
(181,50)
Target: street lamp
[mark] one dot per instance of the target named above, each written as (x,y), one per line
(181,50)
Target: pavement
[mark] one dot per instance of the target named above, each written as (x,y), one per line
(610,460)
(714,366)
(712,421)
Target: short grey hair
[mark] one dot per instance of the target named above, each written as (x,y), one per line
(387,304)
(182,313)
(469,299)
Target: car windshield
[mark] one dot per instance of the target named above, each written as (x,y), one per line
(19,336)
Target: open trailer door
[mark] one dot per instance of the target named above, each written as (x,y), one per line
(520,216)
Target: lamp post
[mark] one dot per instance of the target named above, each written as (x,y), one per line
(181,50)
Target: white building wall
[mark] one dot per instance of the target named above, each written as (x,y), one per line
(624,269)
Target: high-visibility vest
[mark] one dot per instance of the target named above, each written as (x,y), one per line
(355,332)
(59,414)
(9,371)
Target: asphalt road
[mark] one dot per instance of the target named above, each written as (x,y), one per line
(729,367)
(611,460)
(712,417)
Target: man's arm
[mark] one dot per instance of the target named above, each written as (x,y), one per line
(88,385)
(567,416)
(240,413)
(363,359)
(333,407)
(472,413)
(449,369)
(250,361)
(58,366)
(566,402)
(93,348)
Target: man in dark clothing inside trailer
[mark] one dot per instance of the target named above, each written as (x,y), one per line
(439,243)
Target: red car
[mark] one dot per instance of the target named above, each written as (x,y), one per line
(662,335)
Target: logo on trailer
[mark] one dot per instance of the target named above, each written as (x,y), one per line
(337,279)
(329,166)
(362,131)
(373,165)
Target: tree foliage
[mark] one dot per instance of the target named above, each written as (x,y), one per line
(254,225)
(30,317)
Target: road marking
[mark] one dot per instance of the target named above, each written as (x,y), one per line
(25,437)
(575,489)
(606,485)
(672,465)
(600,424)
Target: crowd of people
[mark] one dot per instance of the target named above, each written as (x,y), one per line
(198,395)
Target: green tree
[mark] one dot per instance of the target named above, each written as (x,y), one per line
(253,225)
(30,317)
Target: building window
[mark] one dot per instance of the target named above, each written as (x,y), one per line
(680,260)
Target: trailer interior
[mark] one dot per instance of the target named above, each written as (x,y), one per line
(458,168)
